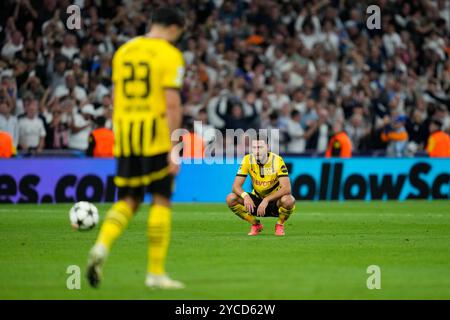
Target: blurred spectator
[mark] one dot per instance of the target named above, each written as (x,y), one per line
(296,134)
(395,135)
(101,140)
(70,88)
(235,119)
(357,130)
(7,149)
(80,128)
(13,45)
(193,143)
(319,132)
(8,122)
(203,128)
(59,128)
(417,130)
(439,142)
(340,145)
(31,128)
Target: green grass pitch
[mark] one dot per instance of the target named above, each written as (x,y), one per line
(324,255)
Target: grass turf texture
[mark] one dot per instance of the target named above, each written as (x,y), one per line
(325,254)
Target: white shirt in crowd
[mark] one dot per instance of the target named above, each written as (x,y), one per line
(322,142)
(69,52)
(62,90)
(277,101)
(10,49)
(79,140)
(11,126)
(296,132)
(391,42)
(31,131)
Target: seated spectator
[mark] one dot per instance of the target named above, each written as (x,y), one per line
(439,142)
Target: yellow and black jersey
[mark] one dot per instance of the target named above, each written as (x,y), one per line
(265,177)
(141,69)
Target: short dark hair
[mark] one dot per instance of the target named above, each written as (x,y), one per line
(437,122)
(100,121)
(261,137)
(168,16)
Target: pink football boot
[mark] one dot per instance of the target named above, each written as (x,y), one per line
(279,230)
(256,228)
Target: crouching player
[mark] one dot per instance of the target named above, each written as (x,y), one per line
(271,195)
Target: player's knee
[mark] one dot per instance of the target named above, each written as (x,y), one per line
(232,199)
(133,202)
(287,202)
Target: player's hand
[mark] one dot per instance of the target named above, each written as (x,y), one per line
(262,208)
(249,204)
(174,164)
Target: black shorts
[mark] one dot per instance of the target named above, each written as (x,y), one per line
(136,176)
(271,210)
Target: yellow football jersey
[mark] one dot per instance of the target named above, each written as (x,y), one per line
(265,177)
(141,69)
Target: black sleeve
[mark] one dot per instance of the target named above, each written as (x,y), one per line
(254,114)
(439,99)
(221,115)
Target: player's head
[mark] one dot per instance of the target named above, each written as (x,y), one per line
(260,148)
(169,19)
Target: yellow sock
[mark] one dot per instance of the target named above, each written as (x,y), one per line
(116,220)
(158,232)
(284,214)
(242,213)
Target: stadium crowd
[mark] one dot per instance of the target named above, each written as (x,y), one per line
(308,68)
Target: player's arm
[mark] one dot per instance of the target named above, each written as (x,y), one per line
(284,190)
(173,102)
(239,182)
(239,191)
(172,81)
(237,185)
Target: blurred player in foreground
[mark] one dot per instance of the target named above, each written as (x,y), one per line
(271,195)
(147,75)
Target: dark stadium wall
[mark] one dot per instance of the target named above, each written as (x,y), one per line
(71,180)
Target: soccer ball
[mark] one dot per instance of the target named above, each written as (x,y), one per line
(83,216)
